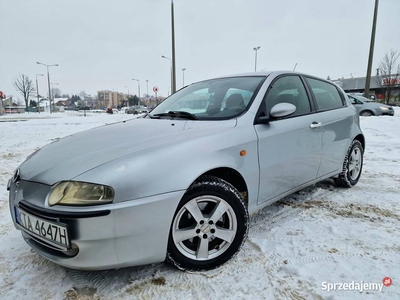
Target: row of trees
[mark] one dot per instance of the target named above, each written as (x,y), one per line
(24,85)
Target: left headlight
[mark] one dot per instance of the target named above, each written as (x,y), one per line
(383,108)
(80,193)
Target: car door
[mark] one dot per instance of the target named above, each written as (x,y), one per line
(289,148)
(337,122)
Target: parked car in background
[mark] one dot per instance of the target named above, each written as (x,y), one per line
(139,109)
(180,183)
(123,109)
(367,107)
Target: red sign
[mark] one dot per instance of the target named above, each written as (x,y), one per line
(391,81)
(155,89)
(2,95)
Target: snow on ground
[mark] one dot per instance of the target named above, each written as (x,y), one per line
(320,235)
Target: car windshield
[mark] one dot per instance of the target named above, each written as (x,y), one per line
(215,99)
(361,98)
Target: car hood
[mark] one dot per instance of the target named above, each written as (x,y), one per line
(376,105)
(75,154)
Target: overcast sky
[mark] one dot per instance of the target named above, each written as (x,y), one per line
(102,44)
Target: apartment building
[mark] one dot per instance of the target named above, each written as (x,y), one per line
(108,98)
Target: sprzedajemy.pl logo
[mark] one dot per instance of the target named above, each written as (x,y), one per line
(356,286)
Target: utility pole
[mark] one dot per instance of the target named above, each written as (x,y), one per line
(48,79)
(183,76)
(173,87)
(371,51)
(255,60)
(37,93)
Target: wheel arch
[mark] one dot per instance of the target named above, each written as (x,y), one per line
(361,139)
(367,110)
(232,176)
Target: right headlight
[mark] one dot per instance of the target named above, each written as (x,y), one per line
(80,193)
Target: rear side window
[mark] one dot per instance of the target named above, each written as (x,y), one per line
(326,94)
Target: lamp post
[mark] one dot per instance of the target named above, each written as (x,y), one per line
(147,93)
(171,67)
(138,89)
(183,76)
(37,93)
(255,63)
(128,94)
(48,79)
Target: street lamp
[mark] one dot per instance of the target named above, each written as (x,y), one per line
(128,94)
(147,86)
(255,63)
(48,79)
(171,67)
(138,89)
(37,93)
(183,75)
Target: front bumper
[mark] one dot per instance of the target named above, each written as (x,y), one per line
(387,112)
(132,233)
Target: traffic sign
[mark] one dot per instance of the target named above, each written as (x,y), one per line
(155,89)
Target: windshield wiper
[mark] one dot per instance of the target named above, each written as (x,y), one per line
(178,114)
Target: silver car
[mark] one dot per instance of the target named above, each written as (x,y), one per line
(182,186)
(367,107)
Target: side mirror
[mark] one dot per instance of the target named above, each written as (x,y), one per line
(279,110)
(282,110)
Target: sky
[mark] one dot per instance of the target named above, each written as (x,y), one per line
(102,44)
(321,234)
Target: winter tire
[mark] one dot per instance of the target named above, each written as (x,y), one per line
(209,227)
(366,113)
(352,166)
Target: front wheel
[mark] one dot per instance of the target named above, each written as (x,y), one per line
(366,113)
(352,166)
(209,227)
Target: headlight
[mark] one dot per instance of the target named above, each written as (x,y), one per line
(383,108)
(80,193)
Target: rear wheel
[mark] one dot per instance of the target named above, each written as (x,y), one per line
(209,227)
(352,166)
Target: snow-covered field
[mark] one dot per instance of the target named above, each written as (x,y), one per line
(296,247)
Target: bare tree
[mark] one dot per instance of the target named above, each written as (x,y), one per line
(56,92)
(389,73)
(25,86)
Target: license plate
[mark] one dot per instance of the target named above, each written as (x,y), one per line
(54,233)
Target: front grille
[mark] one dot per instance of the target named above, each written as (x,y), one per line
(66,215)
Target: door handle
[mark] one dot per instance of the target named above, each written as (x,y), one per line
(315,125)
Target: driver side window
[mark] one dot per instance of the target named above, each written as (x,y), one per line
(288,89)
